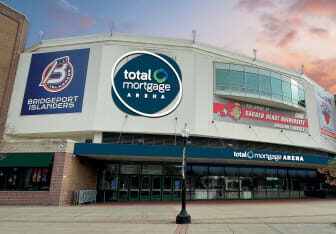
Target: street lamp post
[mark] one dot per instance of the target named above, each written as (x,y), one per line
(183,217)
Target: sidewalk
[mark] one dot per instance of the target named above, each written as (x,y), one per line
(285,216)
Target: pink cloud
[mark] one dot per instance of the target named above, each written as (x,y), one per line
(321,32)
(67,18)
(253,5)
(279,31)
(86,22)
(320,70)
(288,38)
(320,7)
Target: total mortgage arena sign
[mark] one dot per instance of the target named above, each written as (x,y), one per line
(146,84)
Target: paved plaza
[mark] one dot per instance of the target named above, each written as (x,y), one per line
(285,216)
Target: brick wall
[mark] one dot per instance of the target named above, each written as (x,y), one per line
(79,175)
(13,34)
(68,174)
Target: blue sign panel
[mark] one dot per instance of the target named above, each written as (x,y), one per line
(198,152)
(146,84)
(56,82)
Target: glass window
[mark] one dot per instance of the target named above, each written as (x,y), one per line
(151,169)
(216,170)
(231,188)
(283,187)
(264,72)
(295,94)
(292,173)
(275,75)
(246,171)
(259,171)
(311,174)
(199,189)
(222,79)
(236,67)
(25,178)
(199,170)
(265,85)
(252,83)
(302,97)
(282,172)
(259,187)
(237,81)
(287,92)
(273,184)
(232,171)
(130,169)
(276,89)
(302,173)
(216,187)
(246,187)
(171,170)
(271,172)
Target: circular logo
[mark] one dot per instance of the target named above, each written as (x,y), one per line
(57,75)
(250,155)
(146,84)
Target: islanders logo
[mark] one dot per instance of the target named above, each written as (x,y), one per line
(146,84)
(326,112)
(57,75)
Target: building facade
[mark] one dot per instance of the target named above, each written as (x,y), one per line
(106,112)
(13,33)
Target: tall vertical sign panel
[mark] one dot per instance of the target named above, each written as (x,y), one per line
(326,113)
(56,82)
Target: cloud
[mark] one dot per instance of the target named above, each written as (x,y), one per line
(250,5)
(315,7)
(321,32)
(288,38)
(66,5)
(66,19)
(320,70)
(280,31)
(86,22)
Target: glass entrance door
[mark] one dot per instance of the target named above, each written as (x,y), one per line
(167,188)
(145,188)
(123,188)
(134,192)
(177,188)
(156,188)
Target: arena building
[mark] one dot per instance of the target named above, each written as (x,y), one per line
(105,113)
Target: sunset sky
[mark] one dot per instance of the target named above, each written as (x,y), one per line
(284,32)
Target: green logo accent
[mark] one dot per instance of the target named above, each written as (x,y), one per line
(163,79)
(250,154)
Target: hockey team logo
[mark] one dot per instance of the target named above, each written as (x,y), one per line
(146,84)
(57,75)
(326,112)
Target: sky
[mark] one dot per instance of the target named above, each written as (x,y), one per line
(284,32)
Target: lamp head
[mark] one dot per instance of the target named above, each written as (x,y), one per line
(185,131)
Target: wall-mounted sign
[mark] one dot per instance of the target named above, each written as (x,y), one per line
(146,84)
(268,156)
(326,113)
(56,82)
(251,114)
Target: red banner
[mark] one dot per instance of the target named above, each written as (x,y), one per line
(235,111)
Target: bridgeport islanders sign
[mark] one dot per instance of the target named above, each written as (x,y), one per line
(146,84)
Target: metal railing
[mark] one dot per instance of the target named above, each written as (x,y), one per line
(84,196)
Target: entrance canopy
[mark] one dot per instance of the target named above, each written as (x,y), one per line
(227,155)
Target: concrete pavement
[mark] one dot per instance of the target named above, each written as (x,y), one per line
(285,216)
